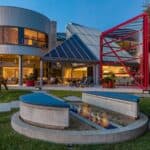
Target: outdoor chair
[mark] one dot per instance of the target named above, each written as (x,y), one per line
(87,82)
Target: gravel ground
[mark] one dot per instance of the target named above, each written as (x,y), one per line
(112,116)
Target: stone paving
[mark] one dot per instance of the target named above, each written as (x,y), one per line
(94,88)
(73,98)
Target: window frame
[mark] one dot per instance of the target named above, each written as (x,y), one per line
(46,42)
(21,37)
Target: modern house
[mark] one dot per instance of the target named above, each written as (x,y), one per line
(28,38)
(79,55)
(25,36)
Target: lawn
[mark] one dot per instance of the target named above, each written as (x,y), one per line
(11,95)
(10,140)
(62,94)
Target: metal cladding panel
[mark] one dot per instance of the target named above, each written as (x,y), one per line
(14,16)
(21,50)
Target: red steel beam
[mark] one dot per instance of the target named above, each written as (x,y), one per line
(124,23)
(122,63)
(124,37)
(125,49)
(143,76)
(101,57)
(146,51)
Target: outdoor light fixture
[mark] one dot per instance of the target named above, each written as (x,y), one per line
(86,110)
(104,122)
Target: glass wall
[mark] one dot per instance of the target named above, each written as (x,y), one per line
(9,67)
(23,36)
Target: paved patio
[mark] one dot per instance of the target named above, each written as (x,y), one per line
(95,88)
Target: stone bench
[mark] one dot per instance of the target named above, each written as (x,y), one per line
(126,104)
(44,110)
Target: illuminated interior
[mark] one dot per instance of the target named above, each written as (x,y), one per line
(8,35)
(9,67)
(67,73)
(119,71)
(79,73)
(75,73)
(34,38)
(12,72)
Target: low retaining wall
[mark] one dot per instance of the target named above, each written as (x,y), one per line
(124,107)
(53,117)
(81,137)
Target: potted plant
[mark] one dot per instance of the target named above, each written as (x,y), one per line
(112,80)
(109,81)
(30,80)
(105,82)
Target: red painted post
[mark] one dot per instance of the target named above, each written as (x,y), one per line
(124,23)
(122,63)
(146,51)
(101,57)
(143,81)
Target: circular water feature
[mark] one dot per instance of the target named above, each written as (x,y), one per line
(81,137)
(42,116)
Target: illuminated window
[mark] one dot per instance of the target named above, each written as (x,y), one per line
(30,34)
(17,35)
(35,38)
(10,35)
(41,37)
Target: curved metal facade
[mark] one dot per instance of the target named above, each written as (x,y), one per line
(20,17)
(14,16)
(20,50)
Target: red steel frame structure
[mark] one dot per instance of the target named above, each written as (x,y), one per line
(128,30)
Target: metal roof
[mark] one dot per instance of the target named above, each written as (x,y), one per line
(72,50)
(83,45)
(91,38)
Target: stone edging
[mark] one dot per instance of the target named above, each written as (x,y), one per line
(81,137)
(6,107)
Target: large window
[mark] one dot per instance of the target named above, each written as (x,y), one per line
(17,35)
(8,35)
(35,38)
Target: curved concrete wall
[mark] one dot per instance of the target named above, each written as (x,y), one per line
(129,132)
(20,17)
(45,116)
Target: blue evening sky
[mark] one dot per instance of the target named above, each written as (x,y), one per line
(100,14)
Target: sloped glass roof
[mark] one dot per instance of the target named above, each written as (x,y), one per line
(83,45)
(91,38)
(72,50)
